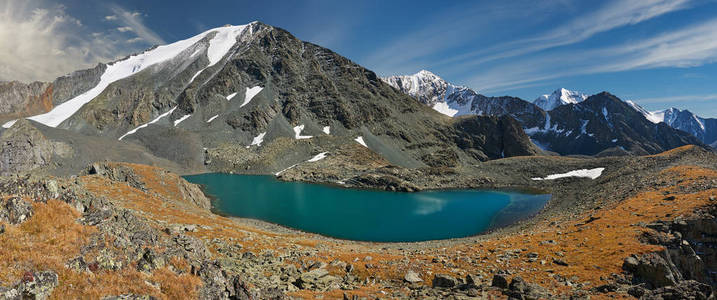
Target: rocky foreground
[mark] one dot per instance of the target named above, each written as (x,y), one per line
(644,229)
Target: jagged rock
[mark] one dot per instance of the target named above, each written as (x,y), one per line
(25,148)
(653,269)
(444,281)
(412,277)
(15,210)
(687,289)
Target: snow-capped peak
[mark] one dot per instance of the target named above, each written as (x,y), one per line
(559,97)
(424,86)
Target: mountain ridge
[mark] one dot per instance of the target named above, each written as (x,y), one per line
(273,99)
(550,126)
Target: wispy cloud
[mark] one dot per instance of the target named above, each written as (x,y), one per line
(449,29)
(459,27)
(610,16)
(132,21)
(693,45)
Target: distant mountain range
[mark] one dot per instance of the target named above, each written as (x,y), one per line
(566,122)
(704,129)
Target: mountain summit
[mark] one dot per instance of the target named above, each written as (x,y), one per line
(255,99)
(704,129)
(559,97)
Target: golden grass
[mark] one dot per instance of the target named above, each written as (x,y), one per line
(593,251)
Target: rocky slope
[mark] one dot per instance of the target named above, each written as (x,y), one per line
(21,100)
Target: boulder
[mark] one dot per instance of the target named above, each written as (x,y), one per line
(653,269)
(499,281)
(444,281)
(412,277)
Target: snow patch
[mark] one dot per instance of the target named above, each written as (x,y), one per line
(176,122)
(250,93)
(442,107)
(360,141)
(222,42)
(195,76)
(9,124)
(212,119)
(586,173)
(318,157)
(258,139)
(147,124)
(327,129)
(231,96)
(297,133)
(284,170)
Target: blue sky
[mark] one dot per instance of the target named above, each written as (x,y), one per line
(657,53)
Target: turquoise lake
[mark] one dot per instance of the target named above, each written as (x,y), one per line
(366,215)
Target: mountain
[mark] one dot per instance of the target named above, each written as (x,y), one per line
(453,100)
(562,122)
(557,98)
(601,122)
(705,129)
(255,99)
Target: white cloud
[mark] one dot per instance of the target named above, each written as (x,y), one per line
(41,41)
(134,40)
(124,29)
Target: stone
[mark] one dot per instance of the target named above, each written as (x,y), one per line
(630,263)
(2,228)
(670,198)
(560,262)
(444,281)
(499,281)
(412,277)
(52,188)
(517,284)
